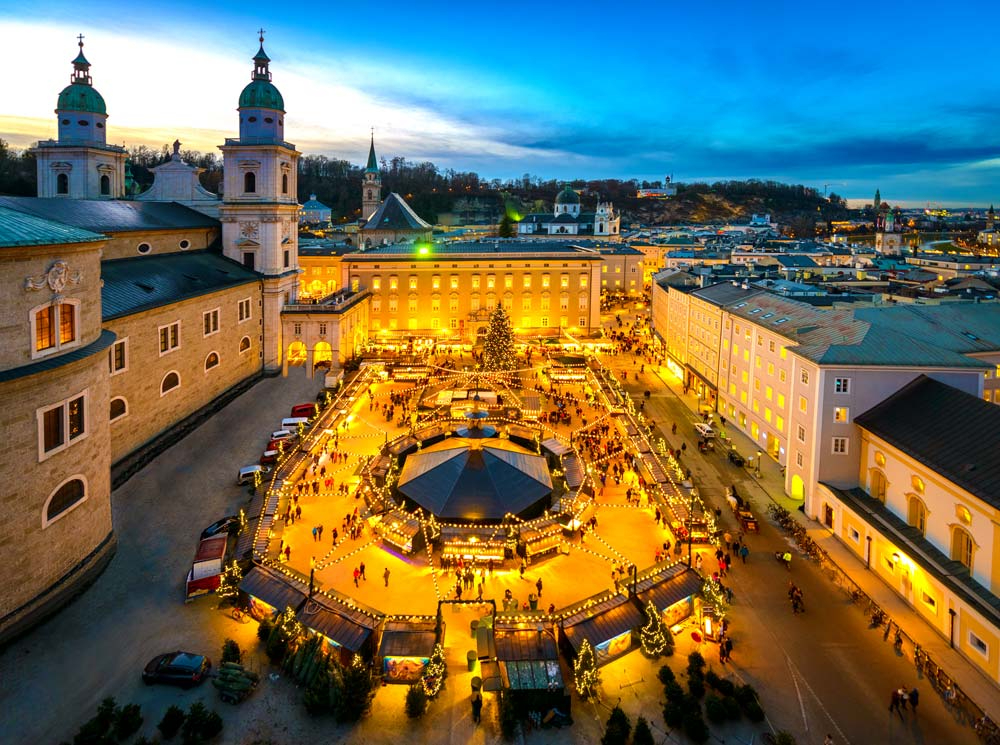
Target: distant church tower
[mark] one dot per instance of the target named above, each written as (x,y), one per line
(991,218)
(80,164)
(259,212)
(887,241)
(371,186)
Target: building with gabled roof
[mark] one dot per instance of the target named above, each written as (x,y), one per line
(394,221)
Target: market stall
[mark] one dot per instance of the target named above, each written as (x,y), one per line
(673,592)
(399,529)
(267,593)
(528,667)
(608,625)
(345,631)
(405,649)
(542,537)
(473,545)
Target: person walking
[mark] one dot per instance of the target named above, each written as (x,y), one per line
(385,576)
(315,534)
(524,565)
(744,552)
(894,704)
(357,573)
(914,700)
(480,597)
(320,529)
(361,571)
(728,644)
(477,706)
(903,697)
(538,584)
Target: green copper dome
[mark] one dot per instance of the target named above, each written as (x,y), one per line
(567,196)
(261,94)
(81,97)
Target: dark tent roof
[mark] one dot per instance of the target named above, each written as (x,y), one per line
(513,643)
(395,214)
(667,587)
(273,589)
(602,622)
(948,430)
(345,626)
(462,479)
(407,639)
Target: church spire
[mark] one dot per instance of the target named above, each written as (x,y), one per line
(261,61)
(81,67)
(372,166)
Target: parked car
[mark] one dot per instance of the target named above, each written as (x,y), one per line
(183,669)
(292,423)
(228,524)
(269,458)
(284,434)
(704,430)
(304,410)
(246,474)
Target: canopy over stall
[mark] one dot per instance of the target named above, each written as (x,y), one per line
(269,592)
(608,626)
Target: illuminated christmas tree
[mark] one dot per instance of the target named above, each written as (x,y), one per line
(498,347)
(433,680)
(229,582)
(586,677)
(654,639)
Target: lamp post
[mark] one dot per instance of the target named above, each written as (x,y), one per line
(312,575)
(757,469)
(868,553)
(694,493)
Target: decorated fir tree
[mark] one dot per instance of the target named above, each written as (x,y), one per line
(229,582)
(653,637)
(435,672)
(498,347)
(586,677)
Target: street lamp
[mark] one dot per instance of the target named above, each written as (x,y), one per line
(758,463)
(312,575)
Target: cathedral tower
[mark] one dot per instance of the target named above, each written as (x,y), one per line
(887,241)
(259,213)
(371,187)
(80,164)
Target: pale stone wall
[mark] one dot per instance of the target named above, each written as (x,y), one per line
(148,412)
(36,557)
(125,245)
(17,303)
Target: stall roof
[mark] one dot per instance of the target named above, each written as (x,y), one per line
(532,403)
(554,446)
(667,587)
(514,643)
(346,626)
(407,639)
(273,589)
(603,621)
(573,471)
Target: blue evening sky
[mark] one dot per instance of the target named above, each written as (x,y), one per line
(854,95)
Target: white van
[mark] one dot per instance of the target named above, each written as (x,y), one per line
(247,474)
(292,423)
(703,430)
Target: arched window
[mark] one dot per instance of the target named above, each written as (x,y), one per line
(249,182)
(62,183)
(917,514)
(105,185)
(284,183)
(211,361)
(170,381)
(961,546)
(877,486)
(67,495)
(54,326)
(119,408)
(369,194)
(244,344)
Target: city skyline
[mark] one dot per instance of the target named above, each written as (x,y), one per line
(702,95)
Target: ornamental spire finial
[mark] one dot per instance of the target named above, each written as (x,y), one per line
(81,67)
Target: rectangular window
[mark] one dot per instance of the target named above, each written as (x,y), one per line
(545,321)
(508,281)
(322,329)
(583,281)
(67,323)
(545,280)
(855,535)
(840,446)
(61,425)
(435,305)
(805,377)
(770,346)
(243,310)
(527,281)
(248,260)
(582,322)
(454,281)
(411,306)
(491,282)
(436,282)
(768,392)
(392,305)
(803,404)
(475,282)
(782,376)
(801,433)
(563,321)
(582,303)
(45,328)
(210,321)
(841,414)
(376,305)
(563,303)
(526,322)
(781,401)
(170,337)
(453,304)
(435,323)
(798,458)
(453,323)
(779,422)
(376,283)
(564,281)
(930,602)
(842,385)
(474,303)
(286,258)
(297,329)
(118,357)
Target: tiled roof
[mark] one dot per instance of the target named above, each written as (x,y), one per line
(725,293)
(960,327)
(20,229)
(395,214)
(796,261)
(138,284)
(955,434)
(475,249)
(111,216)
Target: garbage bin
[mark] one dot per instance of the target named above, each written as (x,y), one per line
(470,656)
(477,683)
(533,602)
(474,627)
